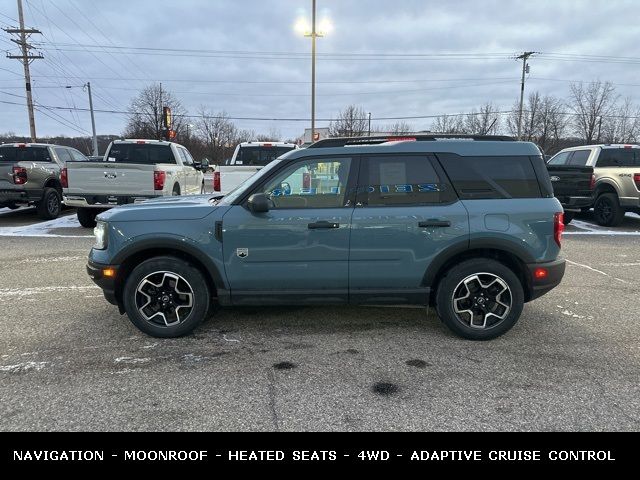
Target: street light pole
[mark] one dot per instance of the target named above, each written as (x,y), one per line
(93,121)
(369,125)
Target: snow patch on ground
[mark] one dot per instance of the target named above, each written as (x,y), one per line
(43,229)
(23,367)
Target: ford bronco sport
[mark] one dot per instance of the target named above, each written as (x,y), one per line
(466,224)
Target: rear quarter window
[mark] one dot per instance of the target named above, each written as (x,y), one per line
(491,177)
(142,153)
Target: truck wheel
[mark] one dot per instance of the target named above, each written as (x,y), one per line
(49,206)
(166,297)
(568,216)
(12,206)
(479,299)
(607,210)
(176,190)
(87,217)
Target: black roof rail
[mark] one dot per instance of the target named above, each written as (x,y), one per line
(376,140)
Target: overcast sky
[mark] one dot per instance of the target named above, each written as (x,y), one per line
(366,49)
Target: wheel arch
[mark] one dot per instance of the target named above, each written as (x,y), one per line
(512,258)
(606,186)
(129,258)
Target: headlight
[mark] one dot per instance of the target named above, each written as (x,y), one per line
(100,231)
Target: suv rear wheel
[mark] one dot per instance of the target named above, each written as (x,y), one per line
(166,297)
(50,205)
(87,217)
(607,210)
(479,299)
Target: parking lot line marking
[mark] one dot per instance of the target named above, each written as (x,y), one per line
(595,270)
(21,292)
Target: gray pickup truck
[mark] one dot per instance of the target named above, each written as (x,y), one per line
(30,174)
(616,171)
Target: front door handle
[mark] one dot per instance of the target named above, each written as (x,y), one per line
(434,222)
(322,224)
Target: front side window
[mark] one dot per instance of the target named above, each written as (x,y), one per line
(400,180)
(619,157)
(310,184)
(560,159)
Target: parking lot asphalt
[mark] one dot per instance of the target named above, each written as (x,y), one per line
(69,361)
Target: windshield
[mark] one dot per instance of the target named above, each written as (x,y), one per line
(260,155)
(24,154)
(237,192)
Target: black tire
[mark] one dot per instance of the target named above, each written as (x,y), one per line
(568,216)
(87,217)
(50,205)
(154,270)
(12,206)
(176,190)
(486,270)
(607,210)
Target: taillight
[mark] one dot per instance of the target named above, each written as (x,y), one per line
(159,178)
(636,180)
(558,227)
(19,175)
(64,179)
(216,182)
(592,183)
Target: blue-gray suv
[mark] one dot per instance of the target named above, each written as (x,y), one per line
(466,224)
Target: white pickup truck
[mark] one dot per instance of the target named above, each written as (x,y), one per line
(132,171)
(248,158)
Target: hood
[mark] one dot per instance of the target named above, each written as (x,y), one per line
(189,207)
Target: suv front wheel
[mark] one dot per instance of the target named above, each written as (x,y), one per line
(479,299)
(166,297)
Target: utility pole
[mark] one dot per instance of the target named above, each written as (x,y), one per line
(369,125)
(93,121)
(25,59)
(313,71)
(524,57)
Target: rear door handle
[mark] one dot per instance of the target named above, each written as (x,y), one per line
(323,224)
(433,222)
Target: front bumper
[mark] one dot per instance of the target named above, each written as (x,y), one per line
(540,286)
(107,284)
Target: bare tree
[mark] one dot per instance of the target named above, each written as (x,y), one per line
(624,124)
(543,121)
(448,124)
(218,133)
(145,113)
(351,122)
(273,135)
(483,122)
(591,105)
(400,128)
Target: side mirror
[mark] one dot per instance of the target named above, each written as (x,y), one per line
(258,203)
(204,165)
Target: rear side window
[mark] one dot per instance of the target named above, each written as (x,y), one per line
(491,177)
(401,180)
(260,156)
(143,153)
(619,157)
(24,154)
(77,156)
(579,158)
(63,154)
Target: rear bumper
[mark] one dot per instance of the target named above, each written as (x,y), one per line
(14,196)
(107,284)
(576,203)
(539,286)
(102,201)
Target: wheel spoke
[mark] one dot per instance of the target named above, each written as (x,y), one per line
(164,298)
(479,298)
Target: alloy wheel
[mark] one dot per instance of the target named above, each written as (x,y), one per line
(482,300)
(164,298)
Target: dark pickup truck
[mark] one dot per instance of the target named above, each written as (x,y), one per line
(573,186)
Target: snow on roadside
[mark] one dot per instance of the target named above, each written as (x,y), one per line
(43,229)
